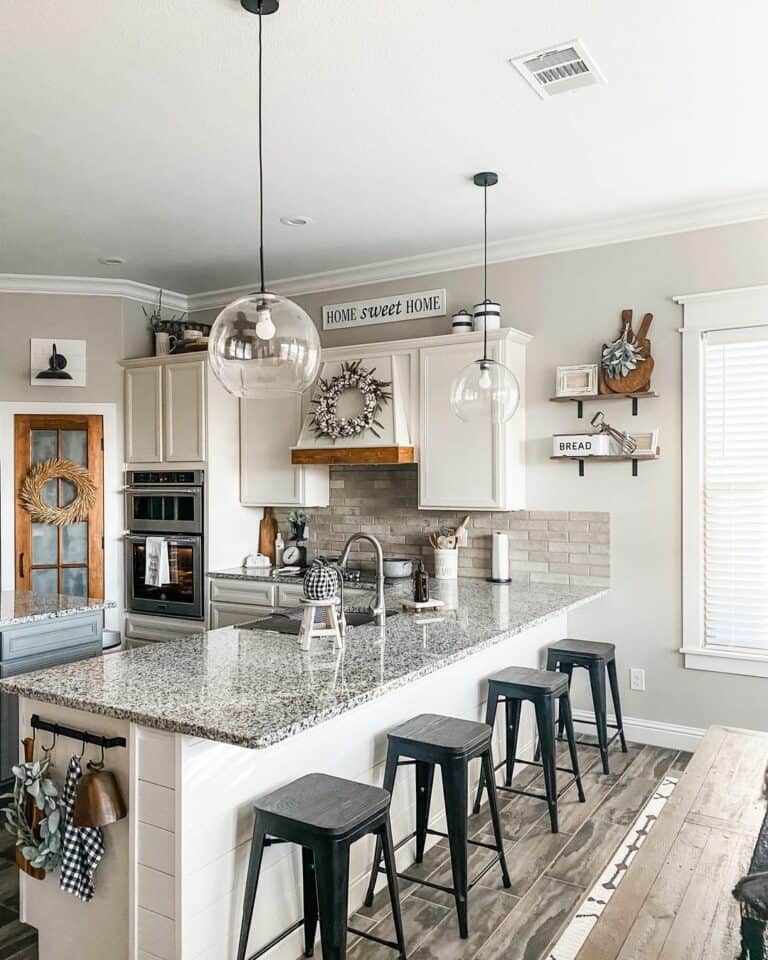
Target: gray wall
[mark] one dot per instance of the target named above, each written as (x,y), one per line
(571,303)
(114,329)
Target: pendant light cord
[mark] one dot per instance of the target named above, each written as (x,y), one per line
(485,272)
(261,164)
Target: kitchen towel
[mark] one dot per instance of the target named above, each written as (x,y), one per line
(157,570)
(83,846)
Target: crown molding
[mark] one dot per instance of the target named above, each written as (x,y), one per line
(541,243)
(90,287)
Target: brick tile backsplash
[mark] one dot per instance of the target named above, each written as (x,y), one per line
(554,546)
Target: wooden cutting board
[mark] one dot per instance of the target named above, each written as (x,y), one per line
(268,534)
(639,379)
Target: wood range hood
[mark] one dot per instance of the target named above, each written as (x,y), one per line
(394,445)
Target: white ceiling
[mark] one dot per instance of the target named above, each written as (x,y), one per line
(128,128)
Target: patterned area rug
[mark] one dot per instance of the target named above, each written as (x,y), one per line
(590,910)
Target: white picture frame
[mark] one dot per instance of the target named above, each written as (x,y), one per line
(576,380)
(647,443)
(39,355)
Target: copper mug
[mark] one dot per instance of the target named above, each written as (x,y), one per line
(99,801)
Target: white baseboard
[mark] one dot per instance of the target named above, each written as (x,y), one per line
(654,732)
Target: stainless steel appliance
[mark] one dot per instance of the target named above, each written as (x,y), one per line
(183,596)
(164,501)
(166,504)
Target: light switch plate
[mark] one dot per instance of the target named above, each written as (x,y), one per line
(636,678)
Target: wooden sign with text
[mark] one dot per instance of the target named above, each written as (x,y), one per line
(400,306)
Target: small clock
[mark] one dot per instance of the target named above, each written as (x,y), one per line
(294,556)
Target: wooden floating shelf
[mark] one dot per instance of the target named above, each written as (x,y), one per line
(352,455)
(595,397)
(614,458)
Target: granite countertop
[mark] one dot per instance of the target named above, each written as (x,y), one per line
(22,606)
(274,575)
(255,688)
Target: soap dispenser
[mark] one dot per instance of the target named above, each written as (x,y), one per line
(420,584)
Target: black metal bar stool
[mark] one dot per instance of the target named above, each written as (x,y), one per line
(450,743)
(324,815)
(542,688)
(598,659)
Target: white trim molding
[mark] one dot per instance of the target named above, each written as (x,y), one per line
(703,313)
(656,733)
(90,287)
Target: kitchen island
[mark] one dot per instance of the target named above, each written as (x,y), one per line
(214,720)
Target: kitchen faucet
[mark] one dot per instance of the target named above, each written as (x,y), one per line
(377,608)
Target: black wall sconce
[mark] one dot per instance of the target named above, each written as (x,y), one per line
(56,367)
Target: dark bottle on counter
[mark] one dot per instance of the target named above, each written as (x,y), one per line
(420,584)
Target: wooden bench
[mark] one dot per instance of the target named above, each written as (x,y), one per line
(677,898)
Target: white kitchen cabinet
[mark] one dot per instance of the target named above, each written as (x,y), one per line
(144,414)
(165,411)
(269,427)
(184,409)
(231,614)
(469,466)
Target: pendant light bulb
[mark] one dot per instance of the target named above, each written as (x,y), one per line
(265,327)
(263,344)
(485,391)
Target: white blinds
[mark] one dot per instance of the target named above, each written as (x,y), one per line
(735,470)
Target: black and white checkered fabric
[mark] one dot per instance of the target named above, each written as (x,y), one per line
(321,581)
(83,846)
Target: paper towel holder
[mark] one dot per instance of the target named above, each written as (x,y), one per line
(494,565)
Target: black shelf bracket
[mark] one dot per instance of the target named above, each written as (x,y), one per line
(581,468)
(634,406)
(634,466)
(580,409)
(58,730)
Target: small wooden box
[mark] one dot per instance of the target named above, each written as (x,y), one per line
(581,445)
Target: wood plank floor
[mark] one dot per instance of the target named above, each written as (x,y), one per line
(550,873)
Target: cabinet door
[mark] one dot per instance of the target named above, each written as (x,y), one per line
(184,402)
(269,427)
(230,614)
(144,414)
(461,464)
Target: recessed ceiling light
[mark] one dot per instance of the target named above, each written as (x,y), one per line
(296,221)
(111,261)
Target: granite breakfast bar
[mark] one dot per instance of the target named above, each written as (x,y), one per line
(215,720)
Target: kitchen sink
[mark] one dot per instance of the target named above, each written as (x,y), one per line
(290,621)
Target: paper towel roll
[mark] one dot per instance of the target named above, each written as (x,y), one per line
(499,555)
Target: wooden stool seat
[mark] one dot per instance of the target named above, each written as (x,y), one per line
(446,735)
(588,649)
(528,681)
(324,805)
(324,815)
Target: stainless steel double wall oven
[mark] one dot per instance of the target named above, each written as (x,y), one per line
(168,504)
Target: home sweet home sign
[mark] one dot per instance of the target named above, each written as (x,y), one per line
(400,306)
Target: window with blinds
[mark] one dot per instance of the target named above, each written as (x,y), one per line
(735,472)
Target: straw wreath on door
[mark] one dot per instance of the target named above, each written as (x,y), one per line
(31,493)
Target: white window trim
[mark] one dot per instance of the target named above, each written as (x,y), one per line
(702,313)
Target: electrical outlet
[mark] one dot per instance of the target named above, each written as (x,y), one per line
(636,678)
(463,539)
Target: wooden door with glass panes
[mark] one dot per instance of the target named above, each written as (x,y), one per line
(68,559)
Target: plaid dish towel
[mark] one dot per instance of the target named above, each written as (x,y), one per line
(83,846)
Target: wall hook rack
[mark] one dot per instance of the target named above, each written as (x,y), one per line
(58,730)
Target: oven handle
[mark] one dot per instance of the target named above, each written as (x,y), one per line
(171,539)
(170,490)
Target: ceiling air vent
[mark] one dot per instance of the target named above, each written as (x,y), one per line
(559,69)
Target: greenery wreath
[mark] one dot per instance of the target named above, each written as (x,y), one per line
(354,376)
(31,493)
(42,844)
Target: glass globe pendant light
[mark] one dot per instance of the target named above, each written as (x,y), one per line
(263,344)
(486,391)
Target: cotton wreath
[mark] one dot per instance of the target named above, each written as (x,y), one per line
(354,376)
